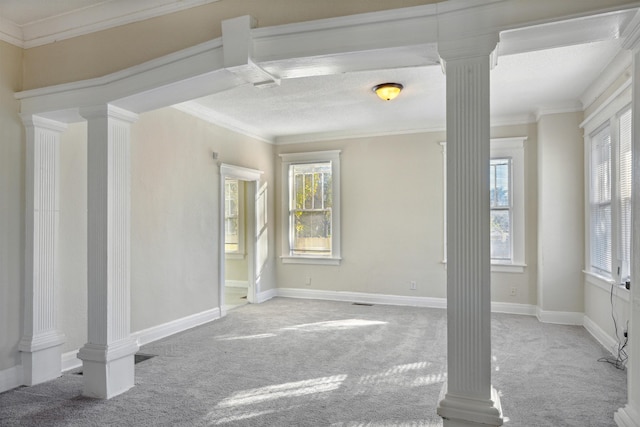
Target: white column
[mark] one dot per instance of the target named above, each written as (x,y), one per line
(468,399)
(108,357)
(41,342)
(629,416)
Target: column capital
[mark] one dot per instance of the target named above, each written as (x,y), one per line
(108,110)
(32,120)
(480,46)
(631,34)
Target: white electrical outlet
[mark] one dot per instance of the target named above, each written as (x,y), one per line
(514,292)
(413,285)
(308,281)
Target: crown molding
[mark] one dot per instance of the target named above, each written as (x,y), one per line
(101,16)
(210,116)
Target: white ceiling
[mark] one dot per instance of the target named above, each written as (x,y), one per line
(523,85)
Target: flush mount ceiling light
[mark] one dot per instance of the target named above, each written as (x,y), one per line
(387,91)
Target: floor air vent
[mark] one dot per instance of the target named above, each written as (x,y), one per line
(137,358)
(363,303)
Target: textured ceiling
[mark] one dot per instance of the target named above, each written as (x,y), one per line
(522,85)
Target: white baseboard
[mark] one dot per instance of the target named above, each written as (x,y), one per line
(166,329)
(362,297)
(627,416)
(70,361)
(266,295)
(430,302)
(11,378)
(236,284)
(513,308)
(560,317)
(600,335)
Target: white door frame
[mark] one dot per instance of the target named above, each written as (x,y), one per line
(252,177)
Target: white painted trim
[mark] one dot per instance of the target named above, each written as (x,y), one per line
(236,283)
(362,297)
(70,361)
(560,317)
(609,74)
(627,417)
(609,108)
(266,295)
(606,340)
(513,308)
(605,284)
(102,16)
(301,259)
(164,330)
(11,32)
(385,299)
(210,116)
(11,378)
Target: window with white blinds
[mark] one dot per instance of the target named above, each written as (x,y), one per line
(610,198)
(601,201)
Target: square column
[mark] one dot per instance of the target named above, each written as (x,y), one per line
(41,343)
(468,399)
(629,416)
(108,357)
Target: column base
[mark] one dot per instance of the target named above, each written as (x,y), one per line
(108,370)
(627,417)
(461,411)
(41,357)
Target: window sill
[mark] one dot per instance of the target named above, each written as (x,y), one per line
(501,267)
(310,260)
(605,284)
(234,255)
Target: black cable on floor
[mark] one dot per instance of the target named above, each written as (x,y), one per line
(620,360)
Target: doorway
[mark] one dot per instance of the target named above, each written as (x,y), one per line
(240,236)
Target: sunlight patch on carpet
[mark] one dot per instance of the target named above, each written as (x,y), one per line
(334,325)
(280,391)
(247,337)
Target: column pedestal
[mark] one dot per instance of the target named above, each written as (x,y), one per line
(108,357)
(41,344)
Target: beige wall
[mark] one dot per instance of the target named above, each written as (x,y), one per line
(175,212)
(12,163)
(104,52)
(560,213)
(392,219)
(174,218)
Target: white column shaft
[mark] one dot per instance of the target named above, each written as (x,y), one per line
(468,250)
(629,416)
(41,341)
(468,398)
(108,356)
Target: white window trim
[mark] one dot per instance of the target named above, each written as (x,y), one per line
(512,148)
(608,112)
(241,252)
(312,157)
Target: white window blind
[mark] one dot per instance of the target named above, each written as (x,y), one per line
(600,201)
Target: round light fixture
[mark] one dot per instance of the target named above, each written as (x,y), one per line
(387,91)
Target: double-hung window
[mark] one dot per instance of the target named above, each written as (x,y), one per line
(501,208)
(506,201)
(311,201)
(609,194)
(233,218)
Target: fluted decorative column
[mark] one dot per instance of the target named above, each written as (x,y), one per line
(629,415)
(41,342)
(468,399)
(108,357)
